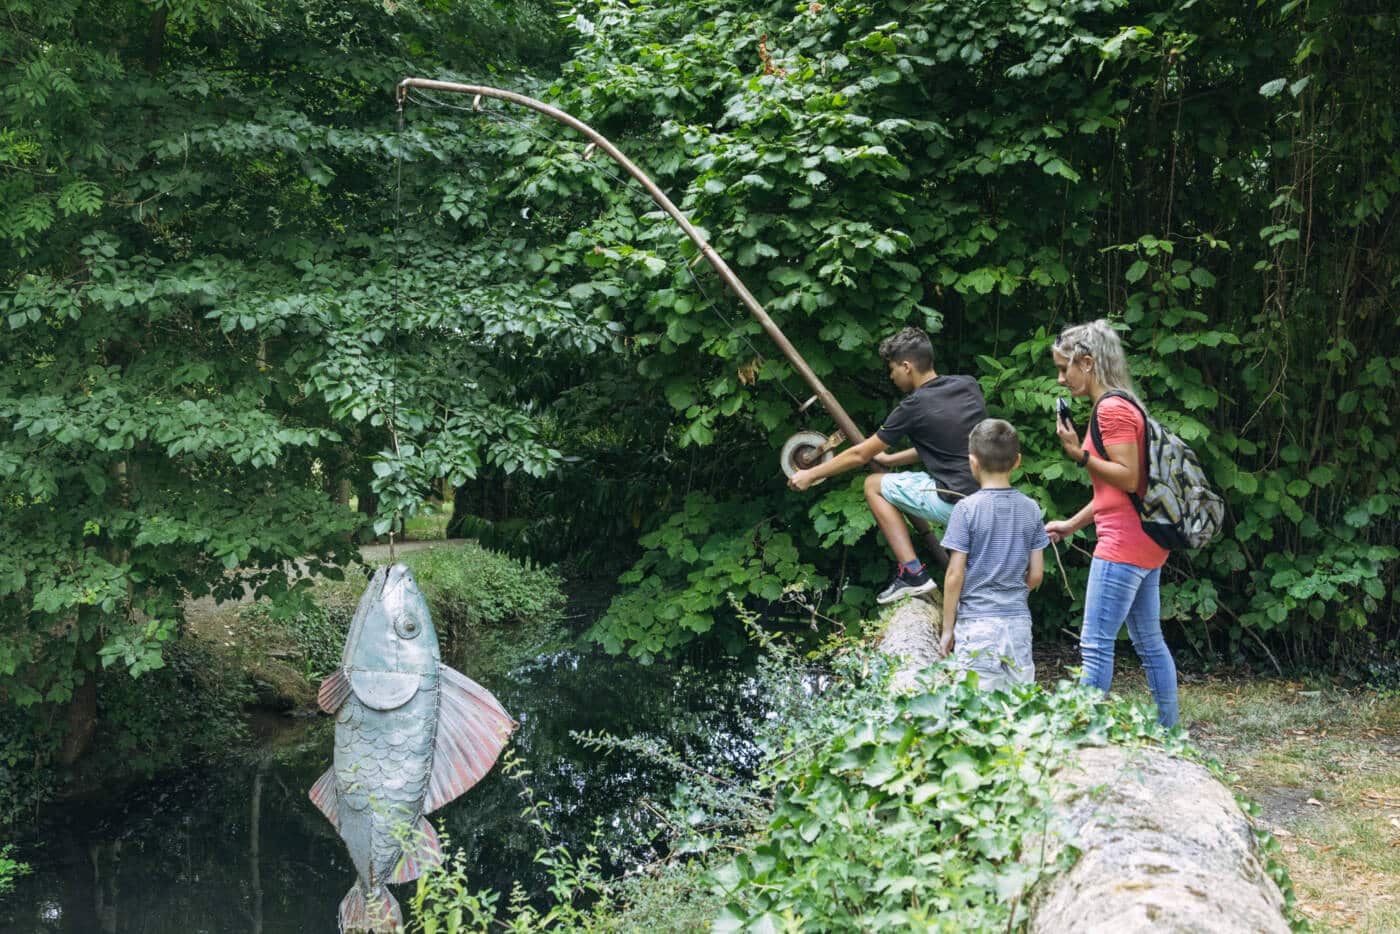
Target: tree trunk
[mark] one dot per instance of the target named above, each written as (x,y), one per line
(79,720)
(155,39)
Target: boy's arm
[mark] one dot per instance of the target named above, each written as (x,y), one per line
(898,459)
(952,592)
(856,456)
(1035,572)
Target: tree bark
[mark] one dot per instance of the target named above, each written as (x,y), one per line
(155,39)
(80,721)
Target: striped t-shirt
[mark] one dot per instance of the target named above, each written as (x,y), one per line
(997,529)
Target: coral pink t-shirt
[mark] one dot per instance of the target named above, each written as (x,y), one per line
(1120,533)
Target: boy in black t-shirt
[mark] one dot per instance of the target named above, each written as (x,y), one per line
(936,414)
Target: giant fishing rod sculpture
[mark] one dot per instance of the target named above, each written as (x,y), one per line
(801,450)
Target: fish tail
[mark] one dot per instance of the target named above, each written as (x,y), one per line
(376,910)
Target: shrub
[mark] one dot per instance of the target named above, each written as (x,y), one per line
(867,812)
(471,586)
(911,812)
(184,712)
(10,869)
(467,588)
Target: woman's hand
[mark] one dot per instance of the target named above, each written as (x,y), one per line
(1060,530)
(1069,439)
(945,644)
(801,480)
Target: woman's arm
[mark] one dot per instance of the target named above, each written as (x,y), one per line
(1064,528)
(1122,470)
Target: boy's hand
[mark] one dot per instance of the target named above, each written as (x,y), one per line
(801,480)
(1059,530)
(945,644)
(885,459)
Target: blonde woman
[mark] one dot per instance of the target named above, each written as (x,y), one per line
(1126,571)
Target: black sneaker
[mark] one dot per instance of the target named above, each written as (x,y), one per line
(906,585)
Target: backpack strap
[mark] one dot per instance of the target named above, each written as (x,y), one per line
(1097,436)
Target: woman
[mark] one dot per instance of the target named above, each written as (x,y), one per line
(1127,565)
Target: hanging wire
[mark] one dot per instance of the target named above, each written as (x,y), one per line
(395,298)
(626,185)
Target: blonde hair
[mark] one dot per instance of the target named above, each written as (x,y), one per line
(1098,340)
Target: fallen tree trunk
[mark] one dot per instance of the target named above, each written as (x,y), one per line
(1163,846)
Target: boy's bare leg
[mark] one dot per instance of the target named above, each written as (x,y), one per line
(890,520)
(892,523)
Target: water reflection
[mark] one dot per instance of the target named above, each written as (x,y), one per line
(241,848)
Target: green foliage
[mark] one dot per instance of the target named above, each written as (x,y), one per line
(10,868)
(865,811)
(221,321)
(915,812)
(315,627)
(188,711)
(470,590)
(695,560)
(27,744)
(850,168)
(470,586)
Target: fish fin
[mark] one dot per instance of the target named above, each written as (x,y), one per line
(424,852)
(379,912)
(471,732)
(333,691)
(324,796)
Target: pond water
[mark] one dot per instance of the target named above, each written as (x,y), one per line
(241,848)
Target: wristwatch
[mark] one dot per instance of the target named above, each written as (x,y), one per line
(1084,458)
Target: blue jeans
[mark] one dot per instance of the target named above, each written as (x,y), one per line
(1121,593)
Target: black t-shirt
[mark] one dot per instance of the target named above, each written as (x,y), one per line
(937,417)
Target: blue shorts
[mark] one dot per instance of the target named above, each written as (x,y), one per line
(914,493)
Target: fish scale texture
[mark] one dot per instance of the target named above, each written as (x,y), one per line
(383,763)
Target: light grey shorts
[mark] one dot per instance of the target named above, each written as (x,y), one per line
(997,648)
(914,493)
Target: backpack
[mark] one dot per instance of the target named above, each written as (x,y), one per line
(1179,509)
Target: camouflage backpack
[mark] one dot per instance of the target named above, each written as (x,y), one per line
(1179,509)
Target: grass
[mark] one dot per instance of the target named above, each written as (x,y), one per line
(429,524)
(1323,764)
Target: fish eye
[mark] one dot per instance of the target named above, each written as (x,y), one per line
(407,627)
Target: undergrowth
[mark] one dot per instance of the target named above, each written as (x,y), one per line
(470,590)
(868,812)
(10,868)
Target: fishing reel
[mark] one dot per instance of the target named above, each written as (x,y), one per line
(808,448)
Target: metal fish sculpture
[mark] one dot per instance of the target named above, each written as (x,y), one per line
(411,735)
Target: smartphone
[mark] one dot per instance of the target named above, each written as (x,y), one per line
(1062,412)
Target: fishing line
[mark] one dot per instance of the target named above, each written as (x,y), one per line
(626,185)
(397,307)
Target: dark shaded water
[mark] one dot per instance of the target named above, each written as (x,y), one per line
(241,848)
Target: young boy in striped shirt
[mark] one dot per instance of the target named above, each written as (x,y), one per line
(995,541)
